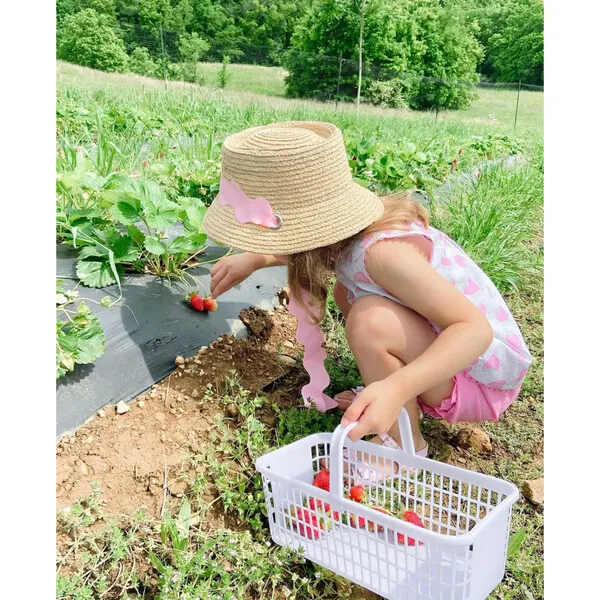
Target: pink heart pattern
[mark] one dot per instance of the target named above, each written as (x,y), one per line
(446,261)
(493,362)
(460,260)
(365,241)
(498,383)
(522,374)
(471,288)
(483,309)
(501,315)
(514,342)
(361,277)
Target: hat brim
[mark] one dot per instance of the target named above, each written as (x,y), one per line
(303,229)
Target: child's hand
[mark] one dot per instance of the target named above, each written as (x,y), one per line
(376,409)
(231,270)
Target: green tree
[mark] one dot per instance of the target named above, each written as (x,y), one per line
(414,43)
(141,63)
(517,51)
(88,38)
(191,48)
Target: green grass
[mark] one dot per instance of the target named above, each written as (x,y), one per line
(497,218)
(250,84)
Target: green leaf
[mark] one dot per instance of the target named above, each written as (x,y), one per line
(184,518)
(91,341)
(106,301)
(127,211)
(515,542)
(154,246)
(97,273)
(136,234)
(95,251)
(123,249)
(181,244)
(195,215)
(156,562)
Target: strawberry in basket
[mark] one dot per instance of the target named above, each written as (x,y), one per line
(410,517)
(310,525)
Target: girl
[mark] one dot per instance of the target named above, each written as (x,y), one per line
(427,327)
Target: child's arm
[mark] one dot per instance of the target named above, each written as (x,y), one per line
(231,270)
(401,269)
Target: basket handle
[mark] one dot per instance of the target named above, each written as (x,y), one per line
(336,450)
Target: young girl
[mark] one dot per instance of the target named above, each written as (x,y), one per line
(427,327)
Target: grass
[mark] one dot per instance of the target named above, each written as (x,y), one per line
(251,84)
(497,218)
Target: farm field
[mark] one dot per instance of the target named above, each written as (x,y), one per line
(163,501)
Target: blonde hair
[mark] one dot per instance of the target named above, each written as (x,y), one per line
(312,270)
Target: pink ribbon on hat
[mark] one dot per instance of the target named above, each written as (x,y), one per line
(247,210)
(310,335)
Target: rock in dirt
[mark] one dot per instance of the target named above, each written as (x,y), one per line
(122,408)
(475,438)
(141,404)
(533,490)
(195,393)
(232,410)
(180,360)
(102,413)
(287,361)
(288,344)
(82,467)
(153,395)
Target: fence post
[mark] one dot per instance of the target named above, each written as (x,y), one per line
(517,107)
(162,49)
(337,93)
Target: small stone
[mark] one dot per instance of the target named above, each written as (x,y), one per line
(230,342)
(198,362)
(102,413)
(178,488)
(82,467)
(461,460)
(179,361)
(153,395)
(219,339)
(181,366)
(160,417)
(477,439)
(203,350)
(141,404)
(122,408)
(288,344)
(186,371)
(533,489)
(163,437)
(287,361)
(187,361)
(89,439)
(232,410)
(195,393)
(71,440)
(201,372)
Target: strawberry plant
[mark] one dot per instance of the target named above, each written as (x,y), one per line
(79,335)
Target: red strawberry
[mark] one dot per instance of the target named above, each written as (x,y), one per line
(197,302)
(322,480)
(357,493)
(210,304)
(478,174)
(353,520)
(371,524)
(410,517)
(144,163)
(316,504)
(453,166)
(311,530)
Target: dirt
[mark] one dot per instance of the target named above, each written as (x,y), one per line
(128,457)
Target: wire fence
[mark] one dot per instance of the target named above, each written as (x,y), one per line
(330,79)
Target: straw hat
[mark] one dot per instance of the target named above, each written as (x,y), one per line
(301,169)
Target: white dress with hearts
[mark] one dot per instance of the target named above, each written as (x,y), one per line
(504,364)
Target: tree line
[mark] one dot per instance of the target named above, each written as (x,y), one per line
(400,52)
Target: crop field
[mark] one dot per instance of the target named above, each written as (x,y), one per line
(163,501)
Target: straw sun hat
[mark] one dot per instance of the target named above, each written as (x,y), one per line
(287,187)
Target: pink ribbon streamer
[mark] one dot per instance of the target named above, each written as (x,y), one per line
(246,210)
(310,335)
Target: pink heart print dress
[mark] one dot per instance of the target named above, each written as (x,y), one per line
(485,389)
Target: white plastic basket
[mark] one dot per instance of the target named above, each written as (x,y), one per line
(460,553)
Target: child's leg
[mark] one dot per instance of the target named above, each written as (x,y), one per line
(384,336)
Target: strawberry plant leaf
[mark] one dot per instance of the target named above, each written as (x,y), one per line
(194,215)
(91,341)
(124,249)
(181,244)
(154,246)
(127,210)
(136,234)
(97,273)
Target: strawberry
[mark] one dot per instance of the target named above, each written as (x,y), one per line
(197,302)
(311,529)
(354,521)
(460,151)
(210,304)
(144,163)
(357,493)
(410,517)
(318,505)
(453,166)
(371,524)
(322,480)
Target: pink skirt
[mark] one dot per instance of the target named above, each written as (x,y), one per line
(471,402)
